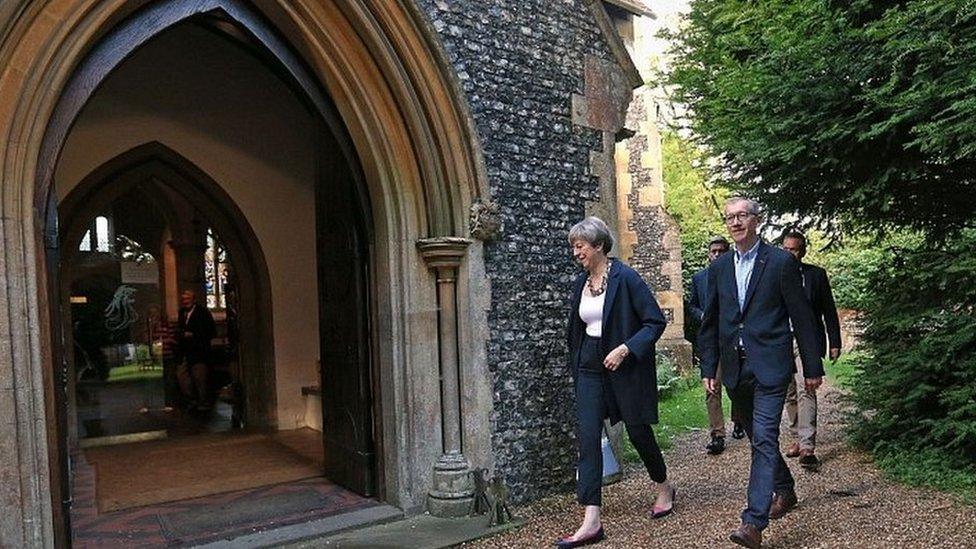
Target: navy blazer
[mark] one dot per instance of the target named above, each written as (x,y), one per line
(817,288)
(195,348)
(774,299)
(699,293)
(631,316)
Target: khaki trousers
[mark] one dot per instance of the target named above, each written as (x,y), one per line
(192,379)
(801,408)
(716,418)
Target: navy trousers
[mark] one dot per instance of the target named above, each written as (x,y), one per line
(591,410)
(760,409)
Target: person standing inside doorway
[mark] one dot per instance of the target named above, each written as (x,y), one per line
(801,403)
(713,401)
(754,298)
(196,329)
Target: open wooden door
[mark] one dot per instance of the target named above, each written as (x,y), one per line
(57,403)
(347,400)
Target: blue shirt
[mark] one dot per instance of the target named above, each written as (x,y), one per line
(744,263)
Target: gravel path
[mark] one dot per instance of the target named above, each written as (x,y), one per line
(846,504)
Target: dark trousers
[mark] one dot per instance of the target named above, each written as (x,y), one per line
(171,386)
(760,410)
(591,409)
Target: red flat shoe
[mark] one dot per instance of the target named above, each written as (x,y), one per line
(657,512)
(566,543)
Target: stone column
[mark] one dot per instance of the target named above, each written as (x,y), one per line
(452,491)
(189,267)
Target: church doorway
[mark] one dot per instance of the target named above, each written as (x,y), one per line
(214,295)
(375,158)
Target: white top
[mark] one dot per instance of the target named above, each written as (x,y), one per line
(591,313)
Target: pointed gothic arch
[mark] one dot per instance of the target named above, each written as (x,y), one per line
(169,169)
(391,89)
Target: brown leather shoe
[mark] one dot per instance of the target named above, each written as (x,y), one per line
(793,450)
(747,535)
(782,504)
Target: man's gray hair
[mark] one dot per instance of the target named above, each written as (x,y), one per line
(593,231)
(751,205)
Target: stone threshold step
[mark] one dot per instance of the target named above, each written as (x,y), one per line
(289,535)
(419,532)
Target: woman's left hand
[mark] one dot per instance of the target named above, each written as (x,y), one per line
(616,357)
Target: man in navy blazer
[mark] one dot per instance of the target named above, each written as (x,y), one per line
(717,246)
(801,405)
(754,309)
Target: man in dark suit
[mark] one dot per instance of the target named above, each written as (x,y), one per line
(801,405)
(196,330)
(754,297)
(713,401)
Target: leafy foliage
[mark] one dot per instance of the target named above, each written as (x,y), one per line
(692,201)
(859,117)
(928,467)
(695,205)
(861,112)
(916,387)
(669,379)
(853,264)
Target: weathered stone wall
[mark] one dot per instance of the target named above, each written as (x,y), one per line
(519,64)
(650,239)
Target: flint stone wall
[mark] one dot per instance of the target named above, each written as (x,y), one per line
(518,63)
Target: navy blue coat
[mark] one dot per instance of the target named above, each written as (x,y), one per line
(817,287)
(632,316)
(699,293)
(195,348)
(773,300)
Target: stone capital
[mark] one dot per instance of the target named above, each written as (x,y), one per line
(443,251)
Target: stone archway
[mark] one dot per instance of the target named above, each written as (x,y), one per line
(421,171)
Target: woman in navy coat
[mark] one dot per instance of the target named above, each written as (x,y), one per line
(614,322)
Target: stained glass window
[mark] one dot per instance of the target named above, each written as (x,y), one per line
(216,270)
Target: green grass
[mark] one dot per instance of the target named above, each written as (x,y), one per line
(926,468)
(683,408)
(842,372)
(930,469)
(132,372)
(680,410)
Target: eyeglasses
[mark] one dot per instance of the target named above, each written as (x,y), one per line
(741,217)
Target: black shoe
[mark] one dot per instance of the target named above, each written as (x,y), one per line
(808,460)
(738,432)
(716,446)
